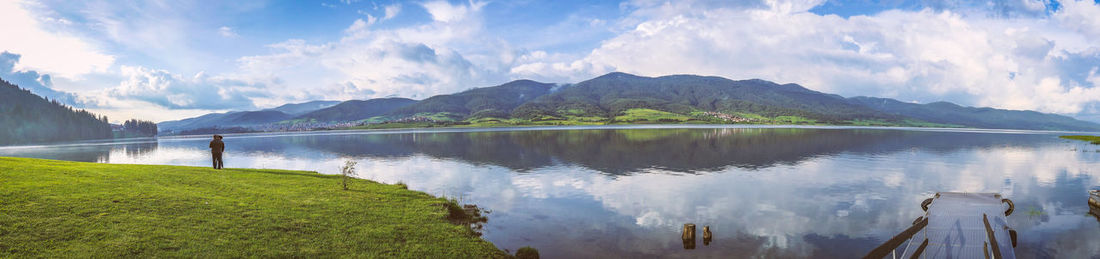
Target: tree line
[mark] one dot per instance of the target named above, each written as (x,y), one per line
(139,128)
(28,118)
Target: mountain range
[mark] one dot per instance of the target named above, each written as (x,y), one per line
(625,98)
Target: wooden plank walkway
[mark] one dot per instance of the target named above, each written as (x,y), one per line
(957,227)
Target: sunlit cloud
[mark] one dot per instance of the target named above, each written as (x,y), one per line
(45,43)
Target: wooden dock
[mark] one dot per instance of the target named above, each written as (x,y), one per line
(956,225)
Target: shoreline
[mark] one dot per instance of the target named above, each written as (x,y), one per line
(453,129)
(504,127)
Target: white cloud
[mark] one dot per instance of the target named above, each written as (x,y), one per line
(167,36)
(1080,16)
(444,11)
(226,31)
(447,55)
(961,55)
(172,91)
(392,11)
(38,84)
(45,46)
(925,55)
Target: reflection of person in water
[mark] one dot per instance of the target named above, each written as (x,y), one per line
(216,149)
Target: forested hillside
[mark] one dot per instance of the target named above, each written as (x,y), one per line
(950,113)
(614,93)
(27,118)
(621,98)
(355,110)
(496,101)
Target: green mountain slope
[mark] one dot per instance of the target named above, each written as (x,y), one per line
(950,113)
(496,101)
(28,118)
(355,110)
(614,93)
(626,98)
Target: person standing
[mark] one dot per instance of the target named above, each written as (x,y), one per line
(216,149)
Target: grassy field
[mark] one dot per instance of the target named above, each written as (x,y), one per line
(52,208)
(650,116)
(1093,139)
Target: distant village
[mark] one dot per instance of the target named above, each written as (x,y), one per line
(728,117)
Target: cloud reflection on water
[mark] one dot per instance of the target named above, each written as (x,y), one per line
(765,192)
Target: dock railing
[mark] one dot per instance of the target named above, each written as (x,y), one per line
(891,246)
(954,221)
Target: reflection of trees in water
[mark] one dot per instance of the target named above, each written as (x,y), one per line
(625,151)
(137,150)
(99,153)
(621,152)
(90,153)
(472,147)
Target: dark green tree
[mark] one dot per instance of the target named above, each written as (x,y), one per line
(28,118)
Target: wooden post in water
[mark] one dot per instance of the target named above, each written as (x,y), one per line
(688,235)
(707,235)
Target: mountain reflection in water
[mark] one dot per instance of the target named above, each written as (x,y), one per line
(765,192)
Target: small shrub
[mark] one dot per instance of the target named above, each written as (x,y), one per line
(454,211)
(348,171)
(527,252)
(402,185)
(468,215)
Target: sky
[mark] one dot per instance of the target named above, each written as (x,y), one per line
(168,60)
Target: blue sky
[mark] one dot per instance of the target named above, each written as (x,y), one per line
(165,60)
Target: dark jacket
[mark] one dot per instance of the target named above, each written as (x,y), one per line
(217,146)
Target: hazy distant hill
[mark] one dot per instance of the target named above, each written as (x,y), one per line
(496,101)
(296,109)
(949,113)
(245,118)
(225,120)
(28,118)
(613,93)
(355,110)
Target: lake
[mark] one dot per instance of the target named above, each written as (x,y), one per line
(820,192)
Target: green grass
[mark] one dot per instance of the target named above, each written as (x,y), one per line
(638,115)
(398,125)
(52,208)
(752,116)
(793,120)
(440,116)
(1092,139)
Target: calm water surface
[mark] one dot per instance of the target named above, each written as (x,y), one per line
(626,192)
